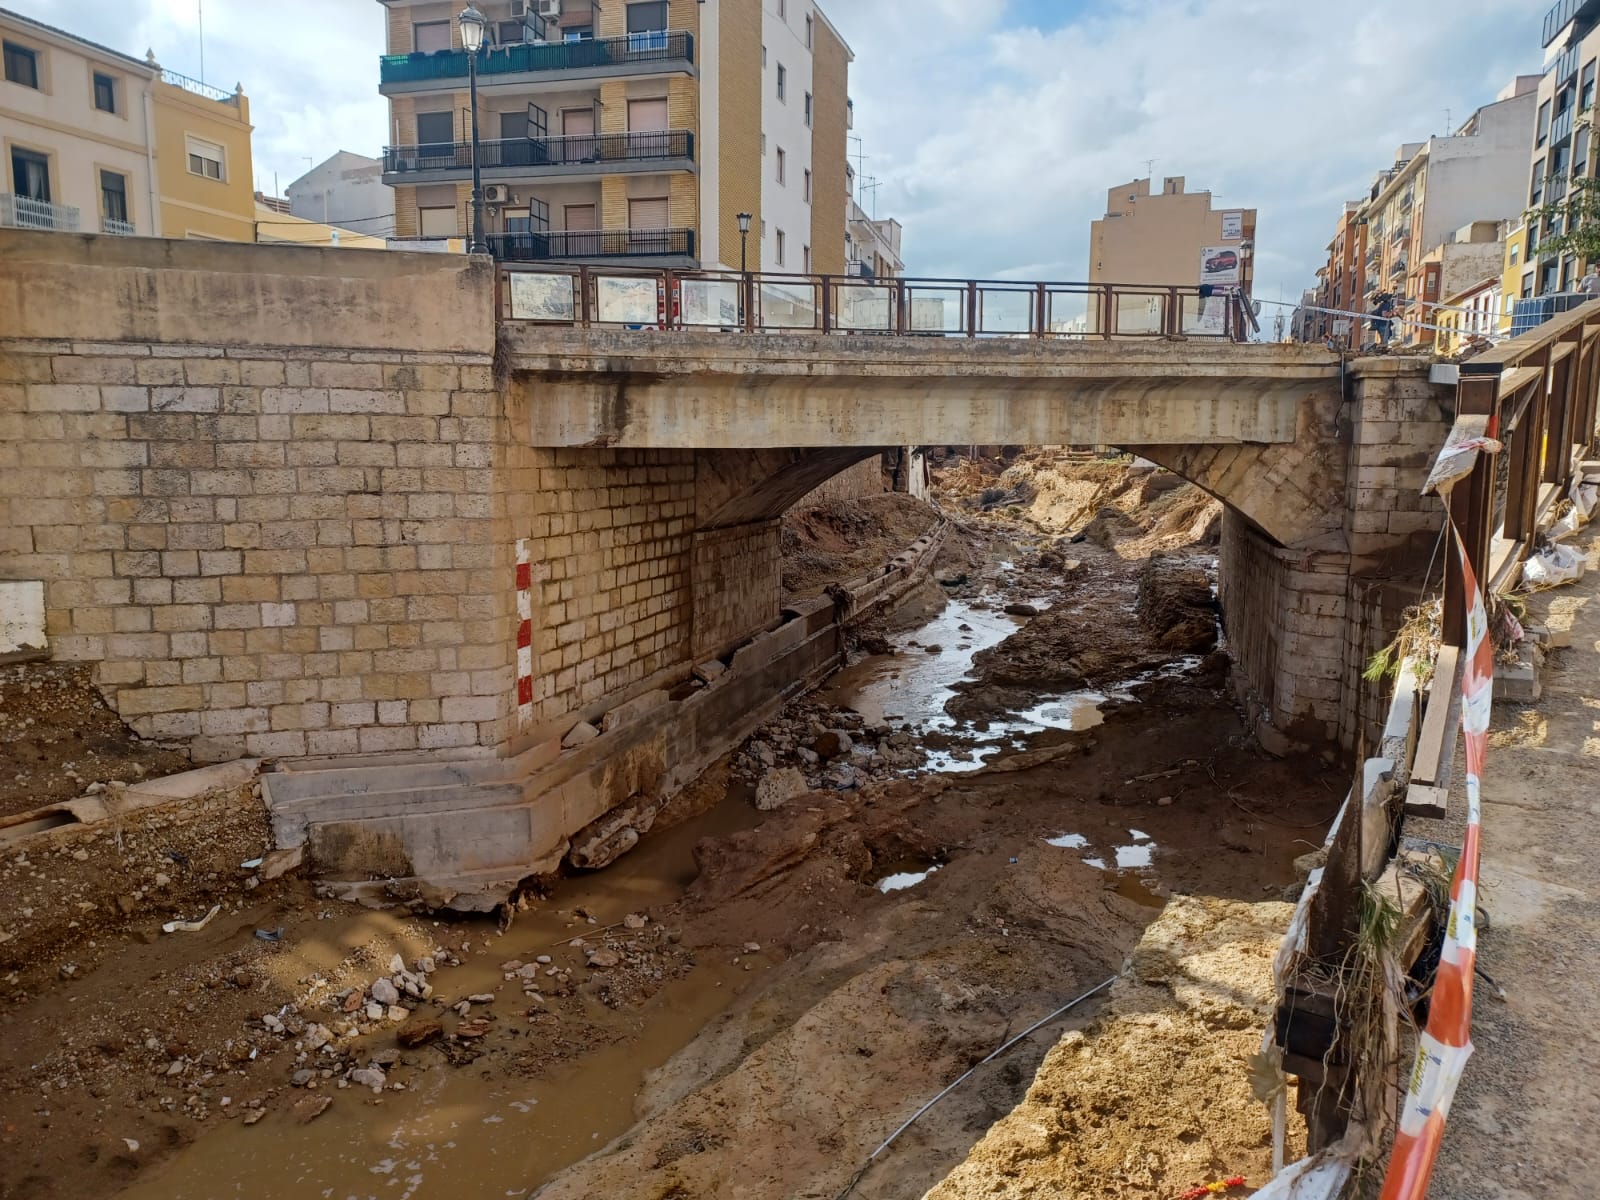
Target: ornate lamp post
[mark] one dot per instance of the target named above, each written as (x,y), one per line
(744,240)
(473,27)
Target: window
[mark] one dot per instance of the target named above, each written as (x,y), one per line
(805,257)
(783,166)
(783,83)
(429,37)
(1536,188)
(648,17)
(1527,286)
(22,65)
(514,125)
(810,26)
(1544,124)
(436,132)
(808,187)
(808,109)
(577,33)
(438,222)
(113,196)
(30,175)
(763,58)
(1516,253)
(780,245)
(1580,153)
(648,116)
(105,93)
(205,158)
(1586,88)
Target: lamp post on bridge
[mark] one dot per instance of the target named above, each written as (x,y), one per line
(744,219)
(473,27)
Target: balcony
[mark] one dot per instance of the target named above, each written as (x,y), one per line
(597,246)
(116,228)
(534,63)
(857,269)
(23,212)
(542,158)
(1561,126)
(1564,13)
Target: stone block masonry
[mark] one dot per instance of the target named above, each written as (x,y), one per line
(282,553)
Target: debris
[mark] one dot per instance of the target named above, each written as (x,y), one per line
(384,992)
(368,1077)
(475,1028)
(250,864)
(603,959)
(281,862)
(1213,1189)
(777,788)
(834,743)
(635,921)
(310,1108)
(253,1115)
(132,1144)
(579,735)
(419,1034)
(1018,609)
(270,935)
(191,926)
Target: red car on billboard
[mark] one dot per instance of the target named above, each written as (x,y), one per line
(1226,261)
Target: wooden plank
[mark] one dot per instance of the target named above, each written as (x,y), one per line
(1505,561)
(1517,378)
(1561,350)
(1436,747)
(1549,493)
(1432,803)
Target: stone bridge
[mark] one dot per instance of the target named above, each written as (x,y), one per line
(318,506)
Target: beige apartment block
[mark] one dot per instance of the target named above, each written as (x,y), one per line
(1560,129)
(1158,237)
(625,133)
(77,131)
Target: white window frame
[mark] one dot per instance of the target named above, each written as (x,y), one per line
(195,148)
(783,83)
(783,167)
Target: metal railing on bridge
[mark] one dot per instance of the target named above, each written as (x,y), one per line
(767,302)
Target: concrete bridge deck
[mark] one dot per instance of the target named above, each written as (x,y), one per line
(709,390)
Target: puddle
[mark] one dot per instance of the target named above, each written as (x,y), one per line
(911,687)
(903,880)
(1130,862)
(465,1131)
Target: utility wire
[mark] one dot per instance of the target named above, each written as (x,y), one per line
(916,1116)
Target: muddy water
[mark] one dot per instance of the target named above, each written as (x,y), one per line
(910,687)
(465,1131)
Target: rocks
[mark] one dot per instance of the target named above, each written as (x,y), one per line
(253,1115)
(842,777)
(709,672)
(543,960)
(833,743)
(375,1011)
(604,840)
(473,1029)
(604,959)
(419,1033)
(777,788)
(310,1108)
(318,1036)
(1018,609)
(384,992)
(368,1077)
(302,1077)
(635,921)
(481,998)
(352,1001)
(580,734)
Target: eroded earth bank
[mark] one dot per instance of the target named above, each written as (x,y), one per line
(1028,778)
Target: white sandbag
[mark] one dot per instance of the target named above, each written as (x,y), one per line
(1558,564)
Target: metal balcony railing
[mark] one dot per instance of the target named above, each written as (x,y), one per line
(1561,126)
(119,228)
(662,47)
(554,245)
(198,88)
(575,151)
(24,212)
(859,270)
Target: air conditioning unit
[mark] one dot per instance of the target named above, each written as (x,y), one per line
(519,8)
(496,193)
(548,9)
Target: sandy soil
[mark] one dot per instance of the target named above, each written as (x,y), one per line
(834,541)
(790,1013)
(57,736)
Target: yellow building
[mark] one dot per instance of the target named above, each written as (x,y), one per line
(283,228)
(1512,284)
(204,168)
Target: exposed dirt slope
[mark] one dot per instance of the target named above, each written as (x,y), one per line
(834,541)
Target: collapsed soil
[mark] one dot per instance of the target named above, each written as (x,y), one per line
(832,542)
(57,736)
(796,1014)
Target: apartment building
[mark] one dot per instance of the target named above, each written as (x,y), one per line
(625,132)
(345,190)
(204,163)
(1562,137)
(1170,237)
(1342,282)
(77,130)
(1442,185)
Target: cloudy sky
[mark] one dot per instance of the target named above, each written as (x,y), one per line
(995,126)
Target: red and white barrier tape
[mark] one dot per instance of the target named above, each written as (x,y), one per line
(1444,1047)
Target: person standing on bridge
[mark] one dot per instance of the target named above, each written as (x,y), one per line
(1383,306)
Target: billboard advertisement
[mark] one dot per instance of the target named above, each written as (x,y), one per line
(1221,266)
(1232,224)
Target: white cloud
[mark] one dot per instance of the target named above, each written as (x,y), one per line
(995,139)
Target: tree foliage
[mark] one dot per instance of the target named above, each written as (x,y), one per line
(1576,214)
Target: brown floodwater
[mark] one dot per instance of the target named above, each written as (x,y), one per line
(466,1132)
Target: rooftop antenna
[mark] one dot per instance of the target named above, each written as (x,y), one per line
(1150,168)
(1447,126)
(200,12)
(871,184)
(861,161)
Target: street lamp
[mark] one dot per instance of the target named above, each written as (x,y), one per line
(473,27)
(744,240)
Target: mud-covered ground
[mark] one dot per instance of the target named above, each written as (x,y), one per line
(742,985)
